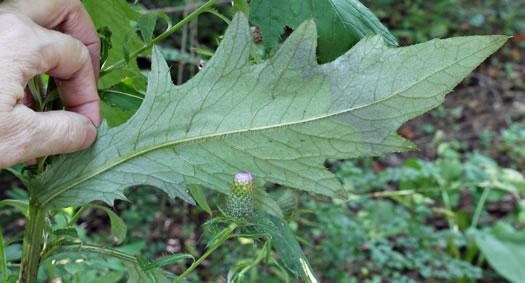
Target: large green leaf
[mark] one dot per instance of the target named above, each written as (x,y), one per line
(116,15)
(279,120)
(341,23)
(504,248)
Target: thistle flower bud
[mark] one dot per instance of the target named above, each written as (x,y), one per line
(239,205)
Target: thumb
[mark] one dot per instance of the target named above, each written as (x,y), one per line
(46,133)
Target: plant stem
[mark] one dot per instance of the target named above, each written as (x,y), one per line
(255,262)
(2,257)
(224,237)
(32,245)
(168,32)
(77,215)
(479,207)
(242,5)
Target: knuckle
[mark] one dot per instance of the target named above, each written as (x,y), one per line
(15,141)
(83,52)
(69,133)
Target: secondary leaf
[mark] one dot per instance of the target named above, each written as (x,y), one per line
(147,23)
(279,120)
(264,201)
(197,192)
(123,96)
(113,115)
(286,245)
(167,260)
(504,248)
(21,205)
(341,23)
(115,15)
(118,227)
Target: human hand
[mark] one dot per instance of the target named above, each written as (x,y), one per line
(28,47)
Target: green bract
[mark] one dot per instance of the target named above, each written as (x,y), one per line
(239,205)
(279,120)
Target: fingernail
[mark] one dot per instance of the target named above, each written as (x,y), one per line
(91,134)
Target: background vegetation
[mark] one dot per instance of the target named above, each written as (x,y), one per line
(419,216)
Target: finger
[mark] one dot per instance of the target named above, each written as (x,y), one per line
(67,16)
(29,49)
(31,162)
(79,25)
(45,133)
(69,61)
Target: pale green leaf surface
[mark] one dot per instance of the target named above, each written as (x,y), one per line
(116,15)
(279,120)
(504,248)
(341,23)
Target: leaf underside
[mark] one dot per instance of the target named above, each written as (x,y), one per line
(279,120)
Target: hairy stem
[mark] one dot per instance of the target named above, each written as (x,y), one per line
(168,32)
(219,242)
(32,245)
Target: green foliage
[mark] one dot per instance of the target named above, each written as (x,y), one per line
(418,20)
(341,23)
(118,227)
(265,202)
(115,15)
(511,142)
(420,185)
(18,204)
(284,241)
(147,23)
(380,240)
(197,192)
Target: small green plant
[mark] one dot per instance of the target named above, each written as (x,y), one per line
(277,114)
(511,143)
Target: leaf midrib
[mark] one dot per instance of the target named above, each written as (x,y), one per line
(51,194)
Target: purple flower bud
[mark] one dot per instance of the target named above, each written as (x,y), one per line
(244,178)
